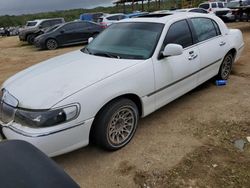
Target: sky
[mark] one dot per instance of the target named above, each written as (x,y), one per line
(16,7)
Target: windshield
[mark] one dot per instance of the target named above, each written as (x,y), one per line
(126,40)
(30,24)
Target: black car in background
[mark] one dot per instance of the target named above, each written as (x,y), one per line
(70,33)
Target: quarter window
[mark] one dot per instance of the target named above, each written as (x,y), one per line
(204,28)
(179,33)
(217,28)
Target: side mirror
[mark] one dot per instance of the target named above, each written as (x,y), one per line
(62,31)
(172,50)
(90,39)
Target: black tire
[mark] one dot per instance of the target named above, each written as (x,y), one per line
(31,38)
(51,44)
(226,67)
(115,124)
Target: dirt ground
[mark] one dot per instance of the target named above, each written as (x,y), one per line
(188,143)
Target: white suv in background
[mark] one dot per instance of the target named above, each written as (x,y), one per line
(219,9)
(108,19)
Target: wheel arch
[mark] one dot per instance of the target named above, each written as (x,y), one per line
(133,97)
(233,52)
(53,39)
(28,34)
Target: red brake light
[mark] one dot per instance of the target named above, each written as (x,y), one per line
(104,25)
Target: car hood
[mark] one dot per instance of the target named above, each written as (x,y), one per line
(43,85)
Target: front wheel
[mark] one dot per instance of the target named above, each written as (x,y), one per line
(116,124)
(51,44)
(226,67)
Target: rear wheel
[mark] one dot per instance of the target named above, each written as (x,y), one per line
(226,67)
(51,44)
(116,124)
(31,38)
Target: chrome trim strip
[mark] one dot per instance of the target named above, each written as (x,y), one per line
(40,134)
(175,82)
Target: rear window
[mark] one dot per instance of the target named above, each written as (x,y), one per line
(205,6)
(199,11)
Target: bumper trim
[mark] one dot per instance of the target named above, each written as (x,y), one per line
(35,135)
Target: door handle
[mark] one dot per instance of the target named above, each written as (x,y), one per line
(192,56)
(222,43)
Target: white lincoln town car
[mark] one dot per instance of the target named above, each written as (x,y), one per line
(128,71)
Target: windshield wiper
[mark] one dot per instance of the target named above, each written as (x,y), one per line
(106,54)
(86,50)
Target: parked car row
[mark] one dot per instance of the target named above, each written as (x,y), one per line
(53,33)
(76,32)
(34,28)
(9,31)
(225,11)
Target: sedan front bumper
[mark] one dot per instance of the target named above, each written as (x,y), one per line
(52,143)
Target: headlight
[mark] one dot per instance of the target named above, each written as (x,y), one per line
(1,94)
(48,118)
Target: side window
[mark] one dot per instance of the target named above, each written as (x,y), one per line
(113,18)
(214,5)
(220,5)
(179,33)
(82,26)
(204,28)
(45,24)
(55,22)
(69,27)
(122,17)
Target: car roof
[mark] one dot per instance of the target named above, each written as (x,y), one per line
(212,2)
(117,14)
(40,20)
(166,17)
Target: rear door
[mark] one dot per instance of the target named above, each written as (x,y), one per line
(210,43)
(176,75)
(83,32)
